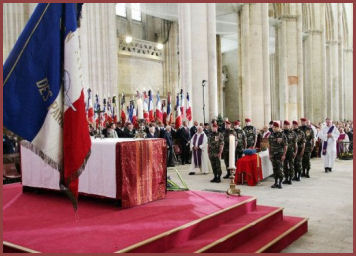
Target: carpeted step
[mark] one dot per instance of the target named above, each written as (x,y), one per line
(272,238)
(205,232)
(176,237)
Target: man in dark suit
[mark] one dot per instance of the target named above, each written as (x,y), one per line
(119,130)
(169,140)
(152,132)
(129,131)
(184,136)
(193,129)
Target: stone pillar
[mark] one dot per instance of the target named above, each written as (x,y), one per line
(185,51)
(300,67)
(348,80)
(266,62)
(212,65)
(334,70)
(341,63)
(99,45)
(219,76)
(254,63)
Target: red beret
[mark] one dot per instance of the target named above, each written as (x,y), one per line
(247,120)
(215,125)
(295,122)
(237,123)
(227,122)
(275,124)
(286,122)
(303,119)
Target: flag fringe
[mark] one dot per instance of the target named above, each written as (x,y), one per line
(42,155)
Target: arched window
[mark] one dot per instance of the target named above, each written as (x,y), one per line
(121,9)
(136,11)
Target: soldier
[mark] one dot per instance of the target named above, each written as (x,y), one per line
(251,134)
(299,156)
(215,149)
(288,165)
(227,133)
(277,153)
(241,140)
(309,144)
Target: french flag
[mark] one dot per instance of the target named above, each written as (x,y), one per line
(123,114)
(178,123)
(159,114)
(43,90)
(189,109)
(134,116)
(164,112)
(145,107)
(182,103)
(169,110)
(90,109)
(114,109)
(150,107)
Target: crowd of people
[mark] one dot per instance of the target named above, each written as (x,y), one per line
(290,144)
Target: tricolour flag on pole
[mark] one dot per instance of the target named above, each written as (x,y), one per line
(189,109)
(150,107)
(182,103)
(169,119)
(43,91)
(145,107)
(178,114)
(159,114)
(90,109)
(123,114)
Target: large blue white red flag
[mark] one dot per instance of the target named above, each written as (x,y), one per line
(178,123)
(89,108)
(145,107)
(43,91)
(182,103)
(188,111)
(159,114)
(169,109)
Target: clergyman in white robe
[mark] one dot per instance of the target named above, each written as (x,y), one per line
(200,160)
(329,137)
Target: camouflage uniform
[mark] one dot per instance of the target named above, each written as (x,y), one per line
(251,135)
(277,142)
(309,136)
(298,158)
(226,149)
(215,140)
(241,138)
(288,165)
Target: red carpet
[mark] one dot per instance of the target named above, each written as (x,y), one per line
(46,223)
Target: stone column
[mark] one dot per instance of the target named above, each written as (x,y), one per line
(266,62)
(334,99)
(282,71)
(219,76)
(185,51)
(212,65)
(348,80)
(341,63)
(254,63)
(300,68)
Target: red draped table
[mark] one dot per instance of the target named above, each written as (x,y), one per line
(132,170)
(249,169)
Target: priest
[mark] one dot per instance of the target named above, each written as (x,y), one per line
(329,135)
(199,147)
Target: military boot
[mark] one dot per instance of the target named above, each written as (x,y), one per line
(275,185)
(285,180)
(303,173)
(295,176)
(307,174)
(215,178)
(298,176)
(279,183)
(227,175)
(326,169)
(218,180)
(290,180)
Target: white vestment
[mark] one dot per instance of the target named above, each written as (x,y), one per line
(330,155)
(205,162)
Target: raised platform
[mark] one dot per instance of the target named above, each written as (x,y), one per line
(189,221)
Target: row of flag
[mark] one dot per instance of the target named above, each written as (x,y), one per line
(142,107)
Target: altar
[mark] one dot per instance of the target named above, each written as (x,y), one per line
(130,170)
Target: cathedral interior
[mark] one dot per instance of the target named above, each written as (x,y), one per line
(268,61)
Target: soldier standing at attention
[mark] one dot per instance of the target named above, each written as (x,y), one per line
(241,140)
(277,153)
(227,133)
(251,134)
(288,165)
(299,156)
(215,149)
(309,145)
